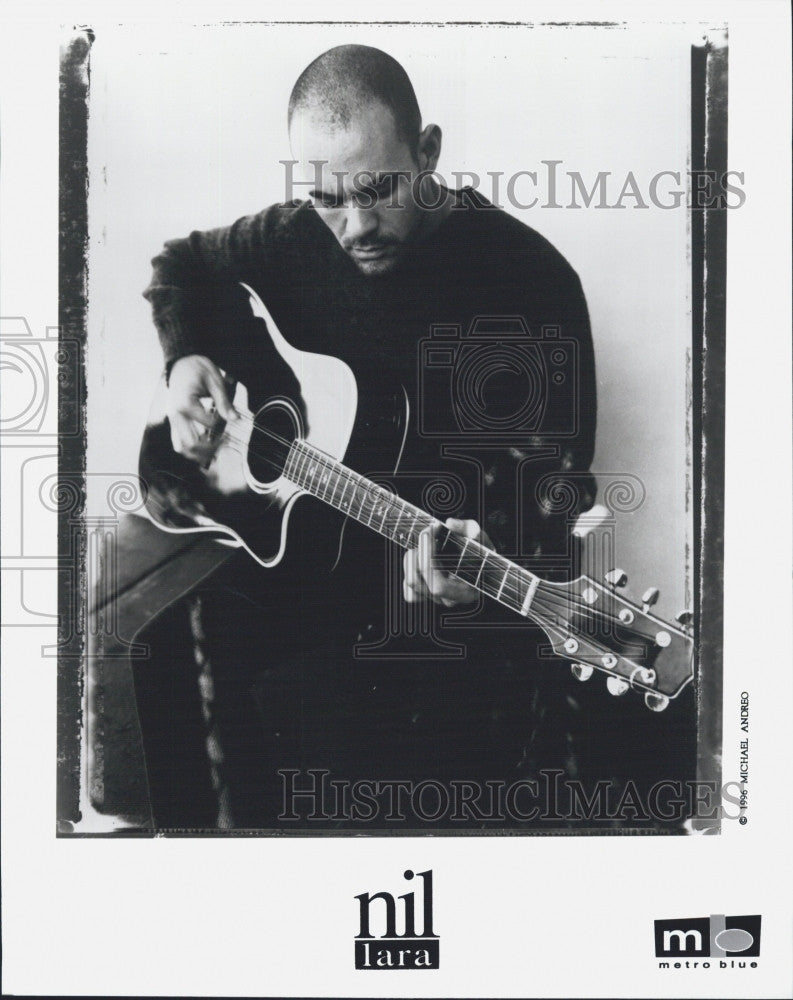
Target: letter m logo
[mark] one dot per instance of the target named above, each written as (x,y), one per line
(683,937)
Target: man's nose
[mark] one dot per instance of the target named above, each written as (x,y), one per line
(361,223)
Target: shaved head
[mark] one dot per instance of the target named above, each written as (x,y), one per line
(335,88)
(357,141)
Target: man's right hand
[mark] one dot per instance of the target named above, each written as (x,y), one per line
(194,426)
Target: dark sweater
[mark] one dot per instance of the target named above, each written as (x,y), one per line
(480,263)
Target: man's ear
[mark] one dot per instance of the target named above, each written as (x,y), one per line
(429,147)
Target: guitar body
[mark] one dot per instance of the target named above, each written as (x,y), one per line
(242,496)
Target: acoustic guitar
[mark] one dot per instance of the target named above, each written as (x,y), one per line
(294,446)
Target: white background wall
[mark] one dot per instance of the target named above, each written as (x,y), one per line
(187,129)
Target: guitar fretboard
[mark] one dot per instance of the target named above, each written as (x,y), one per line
(402,523)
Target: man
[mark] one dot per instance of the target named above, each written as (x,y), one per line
(307,670)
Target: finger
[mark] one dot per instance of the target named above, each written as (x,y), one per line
(410,580)
(193,410)
(412,585)
(186,440)
(183,433)
(435,580)
(458,591)
(475,533)
(219,392)
(469,528)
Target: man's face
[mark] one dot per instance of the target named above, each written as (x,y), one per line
(362,187)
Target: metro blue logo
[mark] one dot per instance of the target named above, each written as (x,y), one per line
(716,936)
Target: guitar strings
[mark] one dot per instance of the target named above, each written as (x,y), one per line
(552,603)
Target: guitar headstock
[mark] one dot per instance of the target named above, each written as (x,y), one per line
(597,629)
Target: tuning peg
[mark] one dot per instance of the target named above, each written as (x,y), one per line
(616,577)
(617,686)
(685,617)
(581,671)
(656,702)
(643,675)
(649,598)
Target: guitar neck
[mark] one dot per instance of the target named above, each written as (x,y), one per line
(402,523)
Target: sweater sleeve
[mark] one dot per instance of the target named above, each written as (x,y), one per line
(198,304)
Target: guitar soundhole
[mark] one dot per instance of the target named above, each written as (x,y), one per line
(275,427)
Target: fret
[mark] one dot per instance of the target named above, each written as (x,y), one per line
(492,575)
(332,482)
(289,460)
(511,593)
(413,534)
(482,566)
(381,509)
(469,565)
(535,582)
(307,465)
(317,480)
(375,503)
(358,494)
(446,540)
(362,492)
(373,498)
(300,469)
(386,527)
(503,581)
(309,470)
(369,506)
(345,503)
(462,556)
(315,474)
(396,536)
(341,500)
(299,458)
(294,458)
(339,477)
(386,508)
(324,479)
(406,536)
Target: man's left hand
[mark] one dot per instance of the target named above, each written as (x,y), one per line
(424,577)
